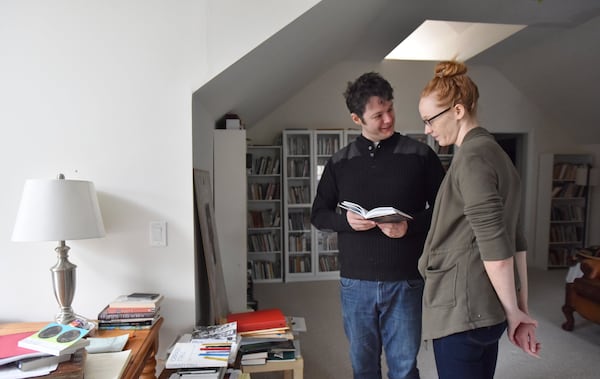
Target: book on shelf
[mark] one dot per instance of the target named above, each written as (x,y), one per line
(253,362)
(262,350)
(258,358)
(137,300)
(264,319)
(273,346)
(203,373)
(379,214)
(281,355)
(258,354)
(282,333)
(56,339)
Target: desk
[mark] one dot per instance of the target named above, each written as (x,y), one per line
(142,343)
(291,369)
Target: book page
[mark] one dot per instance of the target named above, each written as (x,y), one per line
(379,214)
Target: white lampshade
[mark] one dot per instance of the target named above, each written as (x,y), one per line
(58,210)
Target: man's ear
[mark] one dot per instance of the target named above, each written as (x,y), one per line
(356,119)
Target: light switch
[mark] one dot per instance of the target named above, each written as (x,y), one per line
(158,233)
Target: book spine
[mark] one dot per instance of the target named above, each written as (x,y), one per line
(133,305)
(124,327)
(126,316)
(120,310)
(126,323)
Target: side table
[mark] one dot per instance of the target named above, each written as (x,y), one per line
(291,369)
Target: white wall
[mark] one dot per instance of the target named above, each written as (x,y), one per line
(236,27)
(502,108)
(102,91)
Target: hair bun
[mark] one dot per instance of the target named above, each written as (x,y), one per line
(450,68)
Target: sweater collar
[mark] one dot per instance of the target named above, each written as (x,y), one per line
(365,143)
(476,132)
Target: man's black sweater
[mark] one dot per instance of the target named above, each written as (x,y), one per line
(398,172)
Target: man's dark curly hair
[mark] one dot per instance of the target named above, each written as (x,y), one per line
(359,92)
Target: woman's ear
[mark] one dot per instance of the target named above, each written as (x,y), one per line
(459,111)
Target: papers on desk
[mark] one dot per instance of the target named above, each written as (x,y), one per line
(194,354)
(106,365)
(200,373)
(11,371)
(225,331)
(106,344)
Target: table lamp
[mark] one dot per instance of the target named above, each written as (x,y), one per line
(59,210)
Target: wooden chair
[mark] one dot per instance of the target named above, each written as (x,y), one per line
(583,295)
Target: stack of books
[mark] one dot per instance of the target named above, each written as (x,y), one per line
(135,311)
(208,347)
(266,336)
(264,322)
(258,353)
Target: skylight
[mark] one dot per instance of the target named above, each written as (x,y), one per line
(443,40)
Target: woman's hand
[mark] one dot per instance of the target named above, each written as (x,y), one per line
(525,338)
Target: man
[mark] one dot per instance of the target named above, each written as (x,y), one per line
(381,288)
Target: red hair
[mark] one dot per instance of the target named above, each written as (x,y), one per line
(452,85)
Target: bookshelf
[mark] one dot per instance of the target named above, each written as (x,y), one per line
(445,153)
(310,254)
(562,208)
(298,195)
(263,165)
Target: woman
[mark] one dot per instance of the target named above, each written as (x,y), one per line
(474,242)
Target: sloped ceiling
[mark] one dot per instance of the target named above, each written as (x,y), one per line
(554,61)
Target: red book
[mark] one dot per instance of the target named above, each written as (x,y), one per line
(258,320)
(10,351)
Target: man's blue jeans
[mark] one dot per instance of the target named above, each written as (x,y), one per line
(384,314)
(468,355)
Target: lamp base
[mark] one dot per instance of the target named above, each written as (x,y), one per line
(65,316)
(79,322)
(63,281)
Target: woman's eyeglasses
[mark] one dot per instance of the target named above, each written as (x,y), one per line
(430,119)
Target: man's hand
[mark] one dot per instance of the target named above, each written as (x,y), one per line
(394,229)
(358,222)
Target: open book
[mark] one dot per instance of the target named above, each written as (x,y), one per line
(379,214)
